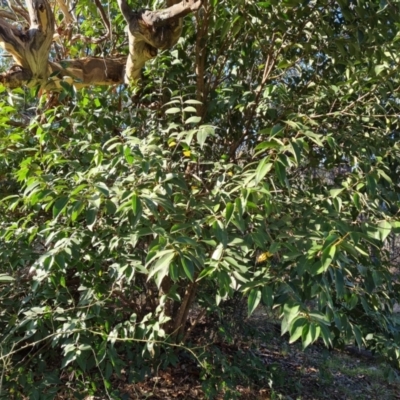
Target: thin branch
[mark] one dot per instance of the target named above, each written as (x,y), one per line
(201,56)
(268,67)
(69,19)
(174,12)
(104,18)
(8,15)
(181,316)
(17,124)
(126,11)
(21,11)
(12,41)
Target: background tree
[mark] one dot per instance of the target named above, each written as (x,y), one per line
(259,156)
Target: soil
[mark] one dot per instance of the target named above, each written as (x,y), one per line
(316,373)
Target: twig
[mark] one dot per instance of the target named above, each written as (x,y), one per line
(64,9)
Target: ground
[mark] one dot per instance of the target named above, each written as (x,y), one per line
(298,375)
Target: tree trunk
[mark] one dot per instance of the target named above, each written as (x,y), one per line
(30,48)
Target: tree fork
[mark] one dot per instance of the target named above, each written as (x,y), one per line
(149,31)
(30,48)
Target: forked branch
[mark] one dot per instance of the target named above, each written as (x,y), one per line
(30,48)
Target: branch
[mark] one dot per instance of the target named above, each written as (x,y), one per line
(17,124)
(12,41)
(15,77)
(104,18)
(176,11)
(8,15)
(126,11)
(19,10)
(69,19)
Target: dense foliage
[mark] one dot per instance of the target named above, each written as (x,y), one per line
(260,156)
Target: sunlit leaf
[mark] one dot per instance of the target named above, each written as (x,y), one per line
(253,300)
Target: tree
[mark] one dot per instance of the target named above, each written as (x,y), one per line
(148,31)
(258,157)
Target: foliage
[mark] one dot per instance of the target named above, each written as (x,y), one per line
(125,211)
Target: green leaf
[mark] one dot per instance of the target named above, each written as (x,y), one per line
(190,109)
(396,227)
(327,257)
(335,192)
(128,155)
(290,311)
(190,101)
(356,201)
(383,174)
(102,188)
(162,263)
(296,328)
(6,278)
(357,335)
(267,296)
(371,185)
(136,205)
(326,335)
(280,170)
(188,267)
(339,283)
(218,252)
(220,232)
(262,169)
(384,229)
(173,110)
(67,87)
(91,216)
(284,64)
(203,133)
(76,210)
(379,68)
(180,227)
(228,212)
(193,120)
(173,271)
(310,334)
(253,300)
(59,206)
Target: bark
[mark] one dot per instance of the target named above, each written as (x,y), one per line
(30,48)
(148,32)
(181,316)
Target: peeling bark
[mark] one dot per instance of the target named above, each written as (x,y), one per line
(148,32)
